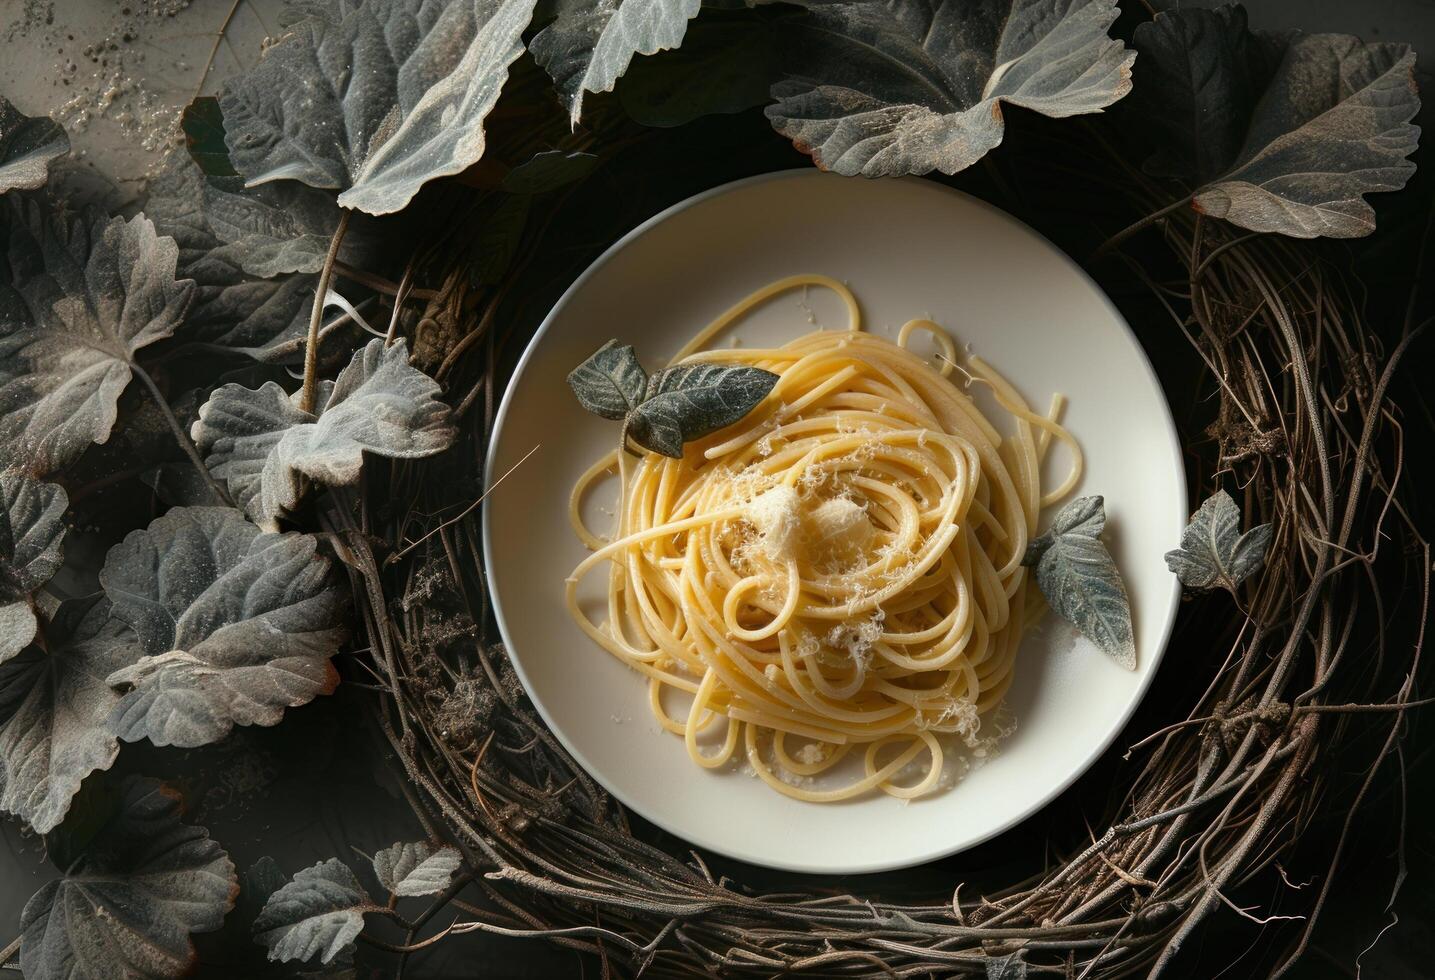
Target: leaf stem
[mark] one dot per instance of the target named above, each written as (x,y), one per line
(182,437)
(316,315)
(1137,225)
(8,953)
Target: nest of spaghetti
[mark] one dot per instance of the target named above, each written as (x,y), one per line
(1254,753)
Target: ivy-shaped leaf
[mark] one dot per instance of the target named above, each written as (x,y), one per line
(263,445)
(412,869)
(55,707)
(27,147)
(889,87)
(1080,581)
(32,529)
(236,625)
(590,43)
(92,292)
(320,913)
(127,906)
(1213,550)
(611,382)
(1277,133)
(374,99)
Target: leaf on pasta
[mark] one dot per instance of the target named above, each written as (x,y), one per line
(27,148)
(1080,581)
(611,382)
(235,625)
(375,99)
(413,869)
(1214,553)
(263,445)
(690,401)
(32,530)
(318,914)
(1276,133)
(889,88)
(127,904)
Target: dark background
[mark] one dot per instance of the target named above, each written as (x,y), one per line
(318,785)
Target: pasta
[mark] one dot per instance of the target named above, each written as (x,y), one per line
(839,573)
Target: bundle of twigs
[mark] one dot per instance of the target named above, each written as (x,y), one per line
(1324,642)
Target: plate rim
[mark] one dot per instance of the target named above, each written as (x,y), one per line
(868,867)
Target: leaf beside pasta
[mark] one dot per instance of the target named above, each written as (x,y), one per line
(1214,553)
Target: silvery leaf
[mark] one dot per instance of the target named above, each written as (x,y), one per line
(263,445)
(723,66)
(1213,550)
(889,88)
(54,713)
(611,382)
(548,171)
(236,625)
(1080,581)
(319,913)
(92,292)
(32,529)
(375,99)
(27,146)
(690,401)
(280,227)
(421,868)
(590,43)
(1282,134)
(126,908)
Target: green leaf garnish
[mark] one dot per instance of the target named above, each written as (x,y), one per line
(1214,553)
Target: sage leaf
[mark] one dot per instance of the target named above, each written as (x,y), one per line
(723,66)
(1277,133)
(413,869)
(262,444)
(92,291)
(375,99)
(235,625)
(1213,550)
(591,42)
(54,714)
(611,382)
(27,147)
(889,88)
(690,401)
(548,171)
(128,904)
(32,529)
(1080,581)
(320,913)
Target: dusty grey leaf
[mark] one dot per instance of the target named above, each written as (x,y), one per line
(375,99)
(126,909)
(723,66)
(890,88)
(1080,581)
(319,913)
(92,292)
(1213,550)
(690,401)
(263,445)
(236,625)
(1283,133)
(32,530)
(548,171)
(590,43)
(412,869)
(27,146)
(279,227)
(54,713)
(611,382)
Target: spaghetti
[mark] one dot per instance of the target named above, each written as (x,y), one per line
(837,574)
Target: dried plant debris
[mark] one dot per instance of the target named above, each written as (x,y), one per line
(318,914)
(1214,553)
(409,870)
(130,897)
(27,147)
(888,88)
(1276,132)
(32,531)
(235,625)
(430,74)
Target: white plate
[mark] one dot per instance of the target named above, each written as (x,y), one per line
(907,248)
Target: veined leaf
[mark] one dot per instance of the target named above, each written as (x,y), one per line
(421,868)
(27,147)
(611,382)
(374,99)
(263,445)
(889,88)
(127,907)
(92,292)
(589,45)
(1080,581)
(32,527)
(320,913)
(1277,133)
(1213,550)
(690,401)
(236,625)
(280,227)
